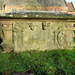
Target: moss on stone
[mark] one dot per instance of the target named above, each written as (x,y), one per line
(38,15)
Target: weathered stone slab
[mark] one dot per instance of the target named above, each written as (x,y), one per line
(29,35)
(35,30)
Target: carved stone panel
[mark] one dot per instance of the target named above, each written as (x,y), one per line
(69,35)
(36,35)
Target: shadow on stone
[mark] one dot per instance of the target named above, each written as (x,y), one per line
(1,48)
(1,40)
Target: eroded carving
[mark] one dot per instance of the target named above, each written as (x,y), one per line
(31,26)
(45,25)
(29,35)
(59,36)
(18,34)
(69,39)
(69,24)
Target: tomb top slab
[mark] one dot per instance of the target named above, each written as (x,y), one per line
(37,15)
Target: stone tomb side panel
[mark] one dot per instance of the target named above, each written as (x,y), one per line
(36,35)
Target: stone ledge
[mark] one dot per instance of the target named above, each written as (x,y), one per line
(37,15)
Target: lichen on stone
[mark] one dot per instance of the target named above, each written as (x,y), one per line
(41,14)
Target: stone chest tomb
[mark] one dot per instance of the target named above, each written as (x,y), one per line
(37,30)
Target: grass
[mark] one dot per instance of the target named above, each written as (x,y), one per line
(55,62)
(74,37)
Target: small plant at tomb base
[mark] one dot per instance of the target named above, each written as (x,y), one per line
(53,62)
(74,39)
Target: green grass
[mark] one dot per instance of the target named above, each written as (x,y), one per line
(55,62)
(74,37)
